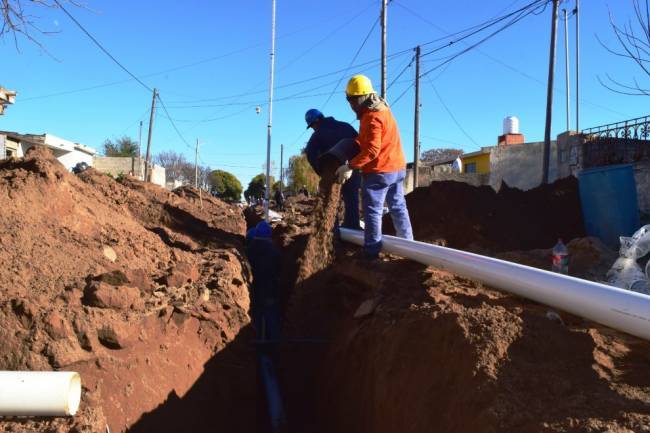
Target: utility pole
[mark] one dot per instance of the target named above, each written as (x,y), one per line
(281,159)
(549,94)
(384,13)
(268,134)
(147,161)
(416,126)
(577,12)
(196,165)
(140,141)
(566,65)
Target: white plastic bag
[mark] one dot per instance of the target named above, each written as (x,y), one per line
(638,245)
(625,272)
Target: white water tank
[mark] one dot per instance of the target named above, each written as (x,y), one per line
(511,125)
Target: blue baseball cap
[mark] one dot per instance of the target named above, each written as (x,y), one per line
(263,230)
(312,115)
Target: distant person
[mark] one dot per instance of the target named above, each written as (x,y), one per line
(457,165)
(279,199)
(381,160)
(327,133)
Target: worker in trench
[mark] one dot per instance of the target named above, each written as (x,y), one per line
(382,163)
(266,262)
(328,132)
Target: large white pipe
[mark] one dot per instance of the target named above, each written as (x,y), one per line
(39,393)
(620,309)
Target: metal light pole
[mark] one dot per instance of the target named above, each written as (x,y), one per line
(268,135)
(416,117)
(577,65)
(384,13)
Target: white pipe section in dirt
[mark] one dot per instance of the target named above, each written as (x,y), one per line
(617,308)
(39,393)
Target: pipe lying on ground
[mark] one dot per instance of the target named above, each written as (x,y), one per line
(620,309)
(39,393)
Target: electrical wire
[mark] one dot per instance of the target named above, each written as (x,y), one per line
(354,58)
(450,113)
(101,47)
(162,104)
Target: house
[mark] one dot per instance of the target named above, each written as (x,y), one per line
(69,153)
(7,97)
(477,162)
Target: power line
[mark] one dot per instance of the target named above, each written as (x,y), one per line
(450,113)
(173,124)
(101,47)
(354,58)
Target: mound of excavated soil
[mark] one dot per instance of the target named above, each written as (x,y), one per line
(398,347)
(143,291)
(463,216)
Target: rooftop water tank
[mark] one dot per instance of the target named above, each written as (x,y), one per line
(511,125)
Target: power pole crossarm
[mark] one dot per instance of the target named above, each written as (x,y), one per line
(549,95)
(147,161)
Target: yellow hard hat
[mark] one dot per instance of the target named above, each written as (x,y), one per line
(359,85)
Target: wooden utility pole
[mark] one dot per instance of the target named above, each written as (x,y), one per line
(147,161)
(549,94)
(566,69)
(281,159)
(196,165)
(416,125)
(577,12)
(384,13)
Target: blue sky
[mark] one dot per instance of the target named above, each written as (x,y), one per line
(210,62)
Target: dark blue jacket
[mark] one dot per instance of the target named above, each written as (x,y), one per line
(330,132)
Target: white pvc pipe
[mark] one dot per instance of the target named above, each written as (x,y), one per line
(39,393)
(620,309)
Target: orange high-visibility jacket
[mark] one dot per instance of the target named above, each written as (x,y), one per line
(381,148)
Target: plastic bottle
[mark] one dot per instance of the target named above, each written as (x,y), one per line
(560,258)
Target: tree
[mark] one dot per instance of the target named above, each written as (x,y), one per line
(226,185)
(176,166)
(300,173)
(432,156)
(257,186)
(124,146)
(634,45)
(18,18)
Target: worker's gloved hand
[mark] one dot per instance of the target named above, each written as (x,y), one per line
(343,173)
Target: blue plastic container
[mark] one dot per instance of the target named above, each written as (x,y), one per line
(610,206)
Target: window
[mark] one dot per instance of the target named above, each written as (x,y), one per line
(470,167)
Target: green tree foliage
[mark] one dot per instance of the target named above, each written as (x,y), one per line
(300,173)
(257,186)
(226,185)
(124,146)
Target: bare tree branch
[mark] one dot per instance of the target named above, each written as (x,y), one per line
(18,23)
(634,45)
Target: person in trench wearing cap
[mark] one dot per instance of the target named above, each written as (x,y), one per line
(324,141)
(382,163)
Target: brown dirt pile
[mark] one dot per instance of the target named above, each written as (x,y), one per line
(459,215)
(401,347)
(143,291)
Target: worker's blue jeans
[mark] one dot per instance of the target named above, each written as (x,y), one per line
(350,193)
(377,189)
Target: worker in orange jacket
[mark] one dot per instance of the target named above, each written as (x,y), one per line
(382,164)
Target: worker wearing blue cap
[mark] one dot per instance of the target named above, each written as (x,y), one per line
(265,262)
(327,133)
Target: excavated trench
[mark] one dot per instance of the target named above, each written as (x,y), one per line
(146,293)
(402,347)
